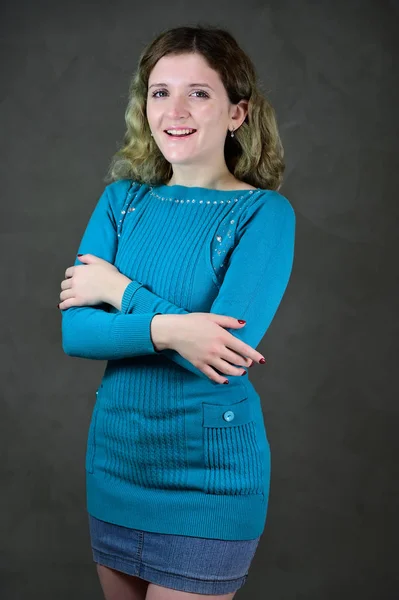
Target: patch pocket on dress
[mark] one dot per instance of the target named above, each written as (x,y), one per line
(232,456)
(91,438)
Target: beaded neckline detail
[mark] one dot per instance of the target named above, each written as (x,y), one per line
(182,192)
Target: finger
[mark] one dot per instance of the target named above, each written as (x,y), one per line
(244,349)
(66,284)
(69,272)
(212,374)
(89,258)
(67,295)
(63,305)
(226,368)
(235,358)
(226,322)
(68,303)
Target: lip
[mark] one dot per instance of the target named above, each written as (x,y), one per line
(180,128)
(179,138)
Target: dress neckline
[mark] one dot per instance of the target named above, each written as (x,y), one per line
(177,189)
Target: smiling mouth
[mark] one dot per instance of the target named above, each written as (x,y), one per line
(180,135)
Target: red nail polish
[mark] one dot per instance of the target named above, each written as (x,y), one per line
(252,364)
(80,254)
(241,321)
(262,361)
(243,373)
(58,305)
(226,381)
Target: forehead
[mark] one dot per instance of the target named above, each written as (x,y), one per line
(183,69)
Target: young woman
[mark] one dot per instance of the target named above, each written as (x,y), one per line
(180,271)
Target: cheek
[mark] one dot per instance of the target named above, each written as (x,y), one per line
(150,114)
(153,113)
(207,115)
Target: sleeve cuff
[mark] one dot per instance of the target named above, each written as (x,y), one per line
(136,334)
(137,298)
(128,294)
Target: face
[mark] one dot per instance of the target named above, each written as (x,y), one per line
(184,92)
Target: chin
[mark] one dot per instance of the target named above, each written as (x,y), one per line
(182,160)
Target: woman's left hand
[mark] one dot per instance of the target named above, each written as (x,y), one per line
(88,284)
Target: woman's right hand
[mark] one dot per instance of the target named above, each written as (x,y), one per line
(202,340)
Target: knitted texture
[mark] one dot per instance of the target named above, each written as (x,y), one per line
(168,449)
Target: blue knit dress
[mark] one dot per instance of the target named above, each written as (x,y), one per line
(170,451)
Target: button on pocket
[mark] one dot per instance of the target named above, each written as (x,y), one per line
(233,462)
(228,415)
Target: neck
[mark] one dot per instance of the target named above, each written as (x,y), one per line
(216,181)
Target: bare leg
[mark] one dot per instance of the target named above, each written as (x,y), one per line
(120,586)
(156,592)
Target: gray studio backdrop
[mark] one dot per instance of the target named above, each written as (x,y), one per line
(329,391)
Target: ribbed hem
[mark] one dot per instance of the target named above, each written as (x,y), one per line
(144,301)
(136,336)
(192,513)
(128,294)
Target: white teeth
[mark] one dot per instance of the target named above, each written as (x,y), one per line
(180,131)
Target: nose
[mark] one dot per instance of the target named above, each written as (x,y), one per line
(177,107)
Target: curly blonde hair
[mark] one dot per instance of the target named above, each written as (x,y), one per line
(255,155)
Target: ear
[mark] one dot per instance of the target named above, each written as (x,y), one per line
(239,113)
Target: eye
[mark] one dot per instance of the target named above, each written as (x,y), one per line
(201,92)
(154,94)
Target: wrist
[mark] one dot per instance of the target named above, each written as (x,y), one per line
(163,329)
(115,289)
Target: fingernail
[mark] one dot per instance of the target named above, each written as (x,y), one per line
(262,361)
(80,254)
(243,373)
(226,381)
(241,321)
(58,305)
(252,364)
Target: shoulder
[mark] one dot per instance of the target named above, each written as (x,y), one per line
(268,207)
(118,192)
(274,201)
(268,219)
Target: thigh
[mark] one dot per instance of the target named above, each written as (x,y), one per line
(157,592)
(121,586)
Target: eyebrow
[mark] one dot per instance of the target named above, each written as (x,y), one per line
(190,85)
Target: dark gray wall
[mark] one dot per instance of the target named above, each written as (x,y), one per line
(330,388)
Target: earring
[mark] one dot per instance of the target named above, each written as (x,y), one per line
(232,133)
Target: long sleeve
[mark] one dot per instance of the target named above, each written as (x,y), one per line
(92,331)
(255,280)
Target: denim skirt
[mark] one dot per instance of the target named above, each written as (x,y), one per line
(185,563)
